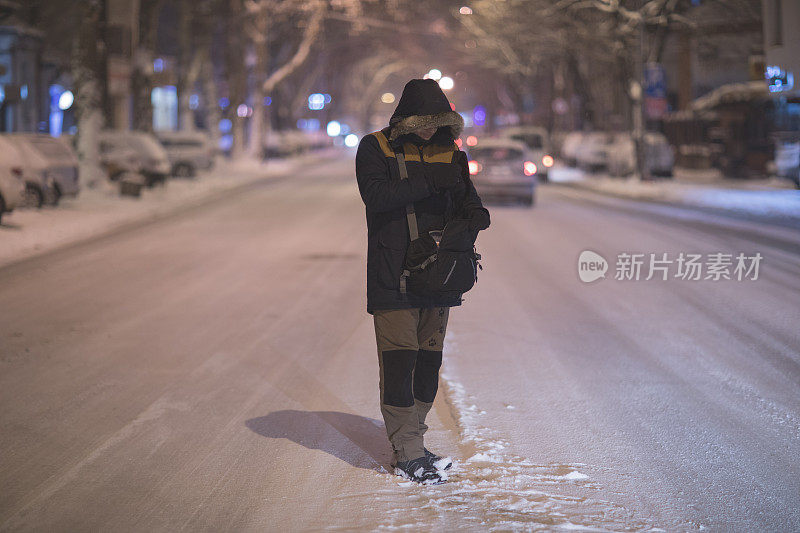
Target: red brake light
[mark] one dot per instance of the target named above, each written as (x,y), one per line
(474,167)
(529,167)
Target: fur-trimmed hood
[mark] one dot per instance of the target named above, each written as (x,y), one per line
(424,105)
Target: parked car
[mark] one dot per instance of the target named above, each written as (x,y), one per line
(62,163)
(12,181)
(187,151)
(503,168)
(593,151)
(288,143)
(570,147)
(659,157)
(38,188)
(787,159)
(139,150)
(538,142)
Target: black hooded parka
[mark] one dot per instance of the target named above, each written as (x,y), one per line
(385,195)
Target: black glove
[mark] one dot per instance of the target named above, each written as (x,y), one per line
(479,219)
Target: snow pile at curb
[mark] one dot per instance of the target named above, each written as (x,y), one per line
(27,232)
(747,199)
(496,490)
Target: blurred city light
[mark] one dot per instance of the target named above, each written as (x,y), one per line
(328,98)
(333,128)
(387,98)
(459,142)
(474,167)
(194,101)
(225,125)
(267,100)
(224,102)
(316,101)
(472,140)
(446,83)
(465,10)
(529,167)
(351,140)
(243,111)
(65,100)
(158,65)
(434,74)
(479,115)
(548,161)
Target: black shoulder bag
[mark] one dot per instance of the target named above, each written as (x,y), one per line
(438,263)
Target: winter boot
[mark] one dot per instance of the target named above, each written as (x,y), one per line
(420,470)
(438,462)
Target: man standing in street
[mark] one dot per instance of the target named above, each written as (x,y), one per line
(412,167)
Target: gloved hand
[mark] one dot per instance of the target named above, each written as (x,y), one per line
(479,219)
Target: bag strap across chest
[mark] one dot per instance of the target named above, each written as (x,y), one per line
(411,215)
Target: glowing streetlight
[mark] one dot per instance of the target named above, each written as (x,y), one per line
(434,74)
(65,100)
(333,128)
(351,140)
(446,83)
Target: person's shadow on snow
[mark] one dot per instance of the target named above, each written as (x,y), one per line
(355,439)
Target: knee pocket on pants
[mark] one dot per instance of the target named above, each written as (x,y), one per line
(398,367)
(426,374)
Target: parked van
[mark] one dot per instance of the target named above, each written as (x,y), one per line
(188,151)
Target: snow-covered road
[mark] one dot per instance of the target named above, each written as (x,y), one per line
(216,370)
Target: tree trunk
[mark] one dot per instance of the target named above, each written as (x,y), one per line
(188,68)
(258,124)
(142,75)
(86,68)
(237,75)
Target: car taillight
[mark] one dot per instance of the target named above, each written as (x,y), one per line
(17,172)
(548,161)
(474,167)
(529,167)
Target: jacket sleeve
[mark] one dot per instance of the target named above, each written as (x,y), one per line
(469,201)
(378,190)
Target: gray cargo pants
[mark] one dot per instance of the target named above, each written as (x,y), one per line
(409,356)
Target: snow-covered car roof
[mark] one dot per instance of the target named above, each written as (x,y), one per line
(54,150)
(30,157)
(10,154)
